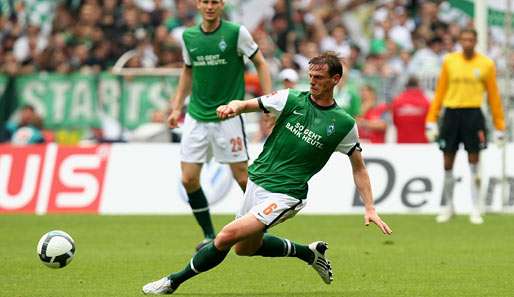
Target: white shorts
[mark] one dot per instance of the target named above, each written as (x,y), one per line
(269,208)
(226,140)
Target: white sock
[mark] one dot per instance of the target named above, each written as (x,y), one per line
(448,186)
(475,186)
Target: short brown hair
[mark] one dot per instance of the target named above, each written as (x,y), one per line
(469,30)
(412,82)
(331,60)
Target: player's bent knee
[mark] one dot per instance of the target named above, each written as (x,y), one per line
(244,250)
(226,238)
(190,183)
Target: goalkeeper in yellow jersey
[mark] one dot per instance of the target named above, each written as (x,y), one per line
(465,77)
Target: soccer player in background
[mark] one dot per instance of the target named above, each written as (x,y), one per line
(465,76)
(309,128)
(214,68)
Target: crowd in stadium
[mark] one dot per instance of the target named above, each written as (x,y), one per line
(389,47)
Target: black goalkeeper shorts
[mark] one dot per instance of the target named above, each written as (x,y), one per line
(463,125)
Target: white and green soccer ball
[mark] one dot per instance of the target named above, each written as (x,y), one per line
(56,249)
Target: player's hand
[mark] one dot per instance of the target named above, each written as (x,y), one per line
(173,118)
(499,137)
(232,109)
(431,131)
(370,215)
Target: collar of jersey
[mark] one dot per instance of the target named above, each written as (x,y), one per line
(322,107)
(213,31)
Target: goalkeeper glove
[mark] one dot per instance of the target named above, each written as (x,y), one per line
(499,137)
(431,131)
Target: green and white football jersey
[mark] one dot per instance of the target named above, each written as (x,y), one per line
(303,139)
(217,65)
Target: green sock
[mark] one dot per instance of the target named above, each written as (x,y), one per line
(200,209)
(273,246)
(206,258)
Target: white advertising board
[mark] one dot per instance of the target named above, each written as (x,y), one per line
(145,179)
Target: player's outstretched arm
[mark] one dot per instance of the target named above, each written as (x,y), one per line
(361,179)
(237,107)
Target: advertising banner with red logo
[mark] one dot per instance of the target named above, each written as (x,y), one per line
(52,179)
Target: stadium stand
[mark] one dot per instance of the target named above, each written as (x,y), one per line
(78,42)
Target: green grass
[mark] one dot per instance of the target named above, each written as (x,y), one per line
(116,255)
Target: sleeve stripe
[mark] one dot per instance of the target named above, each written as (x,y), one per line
(357,147)
(261,106)
(254,53)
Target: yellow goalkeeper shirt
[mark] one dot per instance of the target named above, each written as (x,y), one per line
(462,84)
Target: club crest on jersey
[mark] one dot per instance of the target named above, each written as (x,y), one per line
(222,45)
(331,129)
(476,72)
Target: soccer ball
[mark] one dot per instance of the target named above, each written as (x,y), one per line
(56,249)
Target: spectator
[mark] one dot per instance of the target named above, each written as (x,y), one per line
(90,35)
(289,78)
(101,57)
(380,76)
(354,60)
(426,64)
(372,123)
(9,64)
(269,51)
(288,61)
(346,94)
(409,110)
(30,44)
(394,59)
(266,124)
(401,32)
(307,51)
(27,129)
(155,130)
(337,41)
(279,31)
(449,44)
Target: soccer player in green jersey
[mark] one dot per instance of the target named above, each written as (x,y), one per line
(213,54)
(309,128)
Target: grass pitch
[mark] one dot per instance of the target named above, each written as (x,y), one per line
(117,255)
